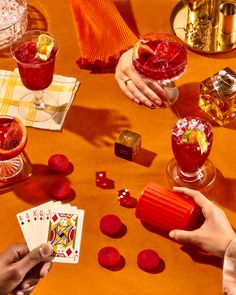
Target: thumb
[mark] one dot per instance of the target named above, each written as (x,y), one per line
(182,236)
(37,255)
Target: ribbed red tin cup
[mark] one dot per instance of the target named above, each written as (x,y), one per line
(166,209)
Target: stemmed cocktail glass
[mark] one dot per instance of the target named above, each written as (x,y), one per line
(191,144)
(161,58)
(35,52)
(13,138)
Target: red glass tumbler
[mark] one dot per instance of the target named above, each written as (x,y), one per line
(165,209)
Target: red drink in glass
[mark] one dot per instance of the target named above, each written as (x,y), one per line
(189,155)
(191,144)
(35,52)
(166,59)
(13,138)
(162,58)
(36,74)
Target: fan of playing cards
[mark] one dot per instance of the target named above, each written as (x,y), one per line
(57,224)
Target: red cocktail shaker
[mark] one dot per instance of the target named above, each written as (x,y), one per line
(165,209)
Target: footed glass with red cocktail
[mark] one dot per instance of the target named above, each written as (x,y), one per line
(35,52)
(13,138)
(191,144)
(161,58)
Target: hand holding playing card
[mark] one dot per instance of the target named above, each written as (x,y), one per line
(57,224)
(21,270)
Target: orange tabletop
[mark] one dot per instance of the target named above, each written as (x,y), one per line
(98,114)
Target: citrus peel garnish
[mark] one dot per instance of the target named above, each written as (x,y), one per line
(142,50)
(45,46)
(192,136)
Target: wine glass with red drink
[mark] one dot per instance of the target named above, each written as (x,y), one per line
(161,58)
(13,138)
(35,53)
(191,144)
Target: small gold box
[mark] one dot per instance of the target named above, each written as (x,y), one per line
(218,96)
(128,145)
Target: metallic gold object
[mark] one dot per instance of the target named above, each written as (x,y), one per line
(218,96)
(227,18)
(197,23)
(127,145)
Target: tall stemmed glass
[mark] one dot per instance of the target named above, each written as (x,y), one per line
(35,52)
(191,144)
(161,58)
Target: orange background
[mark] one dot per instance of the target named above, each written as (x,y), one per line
(98,114)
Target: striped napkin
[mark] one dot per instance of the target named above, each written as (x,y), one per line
(11,90)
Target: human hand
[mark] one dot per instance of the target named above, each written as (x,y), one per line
(134,86)
(215,233)
(21,270)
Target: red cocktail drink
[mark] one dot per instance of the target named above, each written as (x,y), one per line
(35,53)
(191,144)
(13,138)
(187,152)
(36,74)
(162,58)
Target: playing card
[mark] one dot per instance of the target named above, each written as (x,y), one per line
(23,222)
(55,223)
(64,234)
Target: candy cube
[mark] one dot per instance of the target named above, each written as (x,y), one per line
(218,96)
(128,145)
(125,198)
(101,178)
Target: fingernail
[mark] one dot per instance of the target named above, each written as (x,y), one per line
(45,250)
(19,293)
(137,101)
(25,286)
(150,105)
(171,234)
(158,102)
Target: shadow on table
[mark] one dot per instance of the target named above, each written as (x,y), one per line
(145,157)
(100,127)
(125,9)
(35,190)
(194,252)
(223,191)
(188,105)
(199,256)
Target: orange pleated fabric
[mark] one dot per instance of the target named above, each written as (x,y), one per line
(102,33)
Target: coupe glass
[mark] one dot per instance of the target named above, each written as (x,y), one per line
(36,75)
(191,144)
(161,58)
(13,138)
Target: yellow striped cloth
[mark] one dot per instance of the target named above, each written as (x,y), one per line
(11,91)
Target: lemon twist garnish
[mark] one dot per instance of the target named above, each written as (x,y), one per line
(192,136)
(44,45)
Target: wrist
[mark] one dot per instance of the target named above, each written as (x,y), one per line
(230,249)
(229,268)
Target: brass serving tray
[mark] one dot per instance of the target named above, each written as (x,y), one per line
(206,40)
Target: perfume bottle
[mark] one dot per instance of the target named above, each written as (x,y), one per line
(218,96)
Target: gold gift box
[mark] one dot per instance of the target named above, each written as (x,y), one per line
(127,145)
(218,96)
